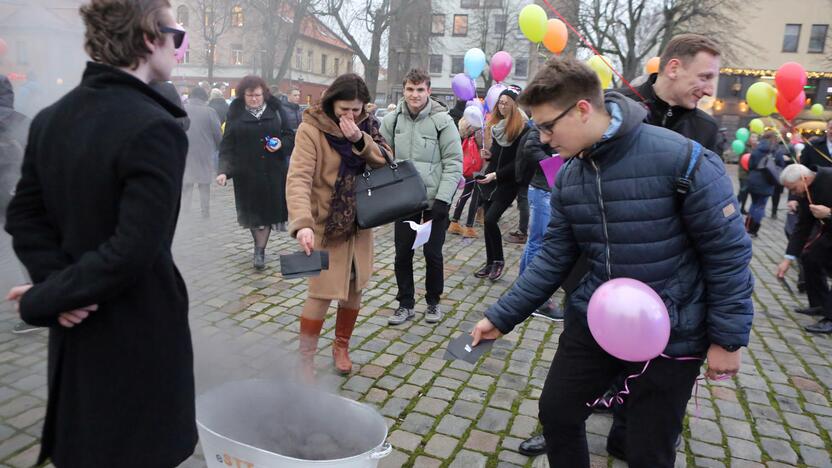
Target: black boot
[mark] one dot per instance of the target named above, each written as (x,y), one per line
(259,258)
(753,229)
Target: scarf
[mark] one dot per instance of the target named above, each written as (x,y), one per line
(257,111)
(498,132)
(340,224)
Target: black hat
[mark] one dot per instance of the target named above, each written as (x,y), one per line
(513,91)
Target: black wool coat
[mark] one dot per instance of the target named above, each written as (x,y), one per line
(92,220)
(259,175)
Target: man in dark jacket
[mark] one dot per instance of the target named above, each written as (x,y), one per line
(819,152)
(92,220)
(294,114)
(650,234)
(812,239)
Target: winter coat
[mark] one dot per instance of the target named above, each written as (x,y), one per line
(816,154)
(695,124)
(313,172)
(14,130)
(220,106)
(259,175)
(294,114)
(204,136)
(93,220)
(807,224)
(503,163)
(758,183)
(531,153)
(432,142)
(618,204)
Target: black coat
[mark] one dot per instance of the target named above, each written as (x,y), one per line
(219,105)
(259,175)
(758,183)
(816,154)
(527,164)
(93,220)
(821,192)
(695,124)
(502,162)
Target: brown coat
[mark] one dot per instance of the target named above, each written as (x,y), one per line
(313,170)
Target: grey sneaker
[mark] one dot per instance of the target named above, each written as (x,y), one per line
(433,314)
(400,316)
(23,327)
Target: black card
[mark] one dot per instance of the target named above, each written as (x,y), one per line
(300,265)
(460,348)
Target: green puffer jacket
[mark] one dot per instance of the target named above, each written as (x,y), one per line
(432,142)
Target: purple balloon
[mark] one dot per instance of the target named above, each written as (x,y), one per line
(492,96)
(629,320)
(463,87)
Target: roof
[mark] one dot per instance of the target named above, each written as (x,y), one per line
(315,29)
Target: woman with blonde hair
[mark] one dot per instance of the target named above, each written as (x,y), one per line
(505,127)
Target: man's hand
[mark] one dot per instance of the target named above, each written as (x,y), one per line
(484,330)
(74,317)
(222,179)
(306,238)
(17,292)
(792,206)
(783,267)
(820,211)
(490,177)
(722,363)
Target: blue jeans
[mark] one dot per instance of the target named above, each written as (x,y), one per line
(539,214)
(758,207)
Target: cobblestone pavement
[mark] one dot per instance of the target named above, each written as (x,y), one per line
(777,412)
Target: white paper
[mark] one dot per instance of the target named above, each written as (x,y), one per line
(422,233)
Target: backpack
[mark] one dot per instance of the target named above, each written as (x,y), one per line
(471,159)
(693,161)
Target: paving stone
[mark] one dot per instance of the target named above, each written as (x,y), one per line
(466,409)
(394,407)
(441,446)
(405,440)
(523,426)
(468,459)
(430,405)
(427,462)
(396,459)
(815,456)
(482,441)
(779,450)
(453,425)
(417,423)
(744,449)
(705,430)
(493,420)
(706,450)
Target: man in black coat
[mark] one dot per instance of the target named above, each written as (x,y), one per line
(812,239)
(819,152)
(92,220)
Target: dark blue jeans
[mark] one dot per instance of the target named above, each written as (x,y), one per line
(758,207)
(539,214)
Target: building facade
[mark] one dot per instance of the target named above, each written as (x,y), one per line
(318,56)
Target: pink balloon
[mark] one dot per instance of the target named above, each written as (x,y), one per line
(500,65)
(492,95)
(180,52)
(629,320)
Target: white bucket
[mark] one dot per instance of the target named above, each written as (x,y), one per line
(244,424)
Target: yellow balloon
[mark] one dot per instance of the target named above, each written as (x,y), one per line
(533,23)
(762,98)
(817,109)
(596,63)
(756,126)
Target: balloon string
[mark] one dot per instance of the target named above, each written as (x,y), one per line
(586,43)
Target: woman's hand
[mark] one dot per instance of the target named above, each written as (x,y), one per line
(490,177)
(350,129)
(306,239)
(485,154)
(222,179)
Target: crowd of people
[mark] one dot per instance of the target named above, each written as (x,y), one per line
(640,194)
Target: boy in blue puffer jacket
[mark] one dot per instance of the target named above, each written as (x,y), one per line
(616,200)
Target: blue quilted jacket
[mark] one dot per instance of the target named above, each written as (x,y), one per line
(618,203)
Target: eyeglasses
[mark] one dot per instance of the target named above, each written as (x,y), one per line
(178,35)
(549,127)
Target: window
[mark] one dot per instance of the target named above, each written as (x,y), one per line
(791,38)
(437,25)
(500,24)
(237,16)
(187,57)
(521,67)
(818,38)
(309,60)
(457,64)
(336,66)
(470,3)
(323,64)
(435,64)
(22,54)
(236,54)
(298,59)
(493,3)
(182,15)
(460,25)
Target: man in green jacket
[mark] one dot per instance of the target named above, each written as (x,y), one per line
(422,131)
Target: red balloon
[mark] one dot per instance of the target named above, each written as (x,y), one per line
(790,79)
(790,108)
(744,160)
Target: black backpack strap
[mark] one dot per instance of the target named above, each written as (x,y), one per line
(693,161)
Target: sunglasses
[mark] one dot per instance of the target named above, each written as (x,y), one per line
(549,127)
(178,35)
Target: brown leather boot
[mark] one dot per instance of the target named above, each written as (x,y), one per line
(310,331)
(344,324)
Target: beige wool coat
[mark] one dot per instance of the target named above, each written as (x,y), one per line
(313,171)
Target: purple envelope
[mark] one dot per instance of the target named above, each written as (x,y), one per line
(550,167)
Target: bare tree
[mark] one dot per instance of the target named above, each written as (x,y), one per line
(215,19)
(492,29)
(282,22)
(373,17)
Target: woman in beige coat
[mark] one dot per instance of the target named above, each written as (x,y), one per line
(334,142)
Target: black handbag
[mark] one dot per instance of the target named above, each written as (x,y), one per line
(391,192)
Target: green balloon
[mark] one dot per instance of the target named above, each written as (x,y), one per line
(742,134)
(738,146)
(756,126)
(817,109)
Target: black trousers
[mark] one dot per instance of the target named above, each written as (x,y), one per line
(403,237)
(472,191)
(494,208)
(817,264)
(775,198)
(523,208)
(581,372)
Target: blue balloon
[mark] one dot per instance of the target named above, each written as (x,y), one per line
(474,63)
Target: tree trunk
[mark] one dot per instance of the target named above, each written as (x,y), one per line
(300,13)
(210,59)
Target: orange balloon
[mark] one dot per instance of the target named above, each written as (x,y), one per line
(556,36)
(652,65)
